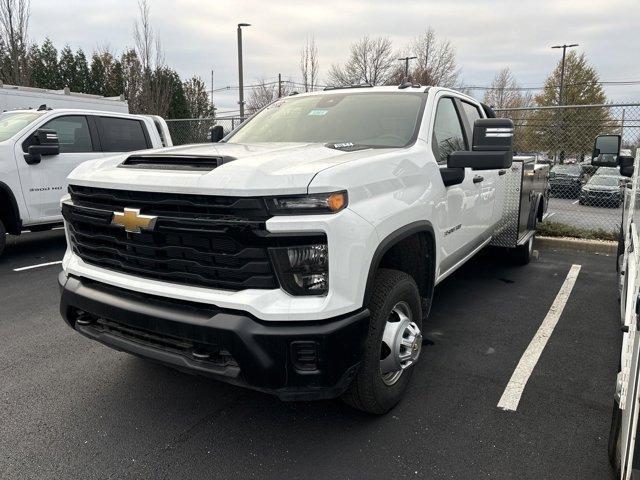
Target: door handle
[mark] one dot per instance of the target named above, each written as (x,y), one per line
(478,179)
(501,172)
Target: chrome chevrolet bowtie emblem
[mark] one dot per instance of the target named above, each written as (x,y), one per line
(132,221)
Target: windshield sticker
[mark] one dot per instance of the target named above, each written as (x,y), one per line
(318,112)
(343,145)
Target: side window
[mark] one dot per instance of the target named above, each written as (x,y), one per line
(472,112)
(73,133)
(122,134)
(447,131)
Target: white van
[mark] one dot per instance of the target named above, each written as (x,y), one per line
(39,148)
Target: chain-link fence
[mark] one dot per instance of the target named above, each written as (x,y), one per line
(196,130)
(585,200)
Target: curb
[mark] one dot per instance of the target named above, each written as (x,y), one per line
(582,245)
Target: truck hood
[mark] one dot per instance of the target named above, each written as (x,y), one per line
(256,169)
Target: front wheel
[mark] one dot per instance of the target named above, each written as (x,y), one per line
(392,346)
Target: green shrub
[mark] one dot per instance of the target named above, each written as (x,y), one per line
(555,229)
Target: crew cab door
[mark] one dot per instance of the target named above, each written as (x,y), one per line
(44,183)
(493,181)
(465,213)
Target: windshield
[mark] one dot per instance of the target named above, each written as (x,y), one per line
(606,181)
(12,123)
(567,169)
(346,120)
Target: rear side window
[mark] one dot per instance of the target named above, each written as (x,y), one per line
(472,112)
(73,133)
(447,131)
(122,134)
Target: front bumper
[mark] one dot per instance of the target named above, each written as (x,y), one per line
(601,198)
(304,360)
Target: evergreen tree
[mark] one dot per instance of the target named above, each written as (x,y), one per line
(82,75)
(43,64)
(97,78)
(49,55)
(67,67)
(197,98)
(569,131)
(115,79)
(178,106)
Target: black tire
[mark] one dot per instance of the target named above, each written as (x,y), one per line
(581,202)
(521,255)
(368,392)
(3,237)
(614,438)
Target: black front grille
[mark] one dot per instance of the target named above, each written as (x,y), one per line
(217,242)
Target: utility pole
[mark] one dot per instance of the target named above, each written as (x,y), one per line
(564,52)
(240,73)
(213,106)
(279,85)
(406,66)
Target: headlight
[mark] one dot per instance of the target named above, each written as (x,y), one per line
(302,270)
(308,204)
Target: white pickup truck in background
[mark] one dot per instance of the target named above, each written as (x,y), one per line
(39,148)
(299,255)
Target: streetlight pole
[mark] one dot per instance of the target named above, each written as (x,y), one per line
(406,66)
(240,73)
(564,53)
(564,47)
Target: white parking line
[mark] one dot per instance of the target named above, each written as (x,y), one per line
(573,203)
(511,395)
(549,215)
(21,269)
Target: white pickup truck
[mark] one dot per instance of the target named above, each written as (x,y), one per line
(39,148)
(299,255)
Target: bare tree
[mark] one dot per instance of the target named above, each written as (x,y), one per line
(505,92)
(263,93)
(371,61)
(435,63)
(155,91)
(309,65)
(14,24)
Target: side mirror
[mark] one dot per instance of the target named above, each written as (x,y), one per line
(216,133)
(492,147)
(606,151)
(46,143)
(626,166)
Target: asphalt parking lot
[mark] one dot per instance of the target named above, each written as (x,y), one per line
(72,408)
(569,212)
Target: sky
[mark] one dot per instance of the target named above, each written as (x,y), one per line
(199,36)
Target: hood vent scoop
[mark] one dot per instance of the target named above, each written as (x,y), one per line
(175,162)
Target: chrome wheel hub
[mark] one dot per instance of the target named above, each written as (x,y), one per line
(401,343)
